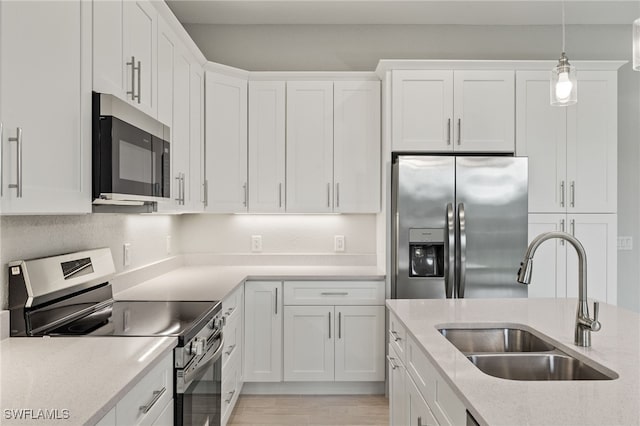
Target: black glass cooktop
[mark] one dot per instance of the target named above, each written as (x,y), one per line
(143,318)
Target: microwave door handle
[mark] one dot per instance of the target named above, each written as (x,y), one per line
(449,253)
(462,243)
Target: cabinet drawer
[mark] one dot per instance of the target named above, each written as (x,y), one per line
(230,387)
(397,336)
(232,302)
(334,293)
(232,333)
(129,410)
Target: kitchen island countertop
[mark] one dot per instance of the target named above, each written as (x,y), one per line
(496,401)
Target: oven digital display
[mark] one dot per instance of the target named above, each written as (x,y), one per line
(76,268)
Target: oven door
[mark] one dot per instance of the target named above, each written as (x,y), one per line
(198,387)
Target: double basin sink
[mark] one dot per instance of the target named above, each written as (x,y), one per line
(517,354)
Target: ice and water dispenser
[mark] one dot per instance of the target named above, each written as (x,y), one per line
(426,252)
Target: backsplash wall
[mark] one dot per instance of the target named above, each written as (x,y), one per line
(28,237)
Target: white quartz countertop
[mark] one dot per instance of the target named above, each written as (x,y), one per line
(496,401)
(85,375)
(216,282)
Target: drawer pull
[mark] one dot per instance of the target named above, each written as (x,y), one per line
(231,348)
(393,364)
(335,293)
(228,400)
(156,396)
(395,336)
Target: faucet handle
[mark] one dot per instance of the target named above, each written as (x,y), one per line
(595,324)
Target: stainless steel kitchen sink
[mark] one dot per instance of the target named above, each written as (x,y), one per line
(517,354)
(478,340)
(555,366)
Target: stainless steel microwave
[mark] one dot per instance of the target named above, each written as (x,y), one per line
(130,164)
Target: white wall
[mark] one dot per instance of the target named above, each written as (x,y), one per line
(359,47)
(28,237)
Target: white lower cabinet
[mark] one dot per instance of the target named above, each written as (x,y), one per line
(422,397)
(149,402)
(231,387)
(232,371)
(263,331)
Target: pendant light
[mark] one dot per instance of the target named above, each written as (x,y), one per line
(564,84)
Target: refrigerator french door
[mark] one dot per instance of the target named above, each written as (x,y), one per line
(459,226)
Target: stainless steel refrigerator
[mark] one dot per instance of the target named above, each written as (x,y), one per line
(459,226)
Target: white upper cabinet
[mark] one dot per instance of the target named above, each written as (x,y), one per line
(45,107)
(180,132)
(139,38)
(166,53)
(226,143)
(356,144)
(573,150)
(462,110)
(196,162)
(267,147)
(422,106)
(108,60)
(309,146)
(484,111)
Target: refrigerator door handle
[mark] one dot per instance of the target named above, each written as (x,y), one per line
(462,244)
(449,253)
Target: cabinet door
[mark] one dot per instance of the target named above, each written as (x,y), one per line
(422,105)
(266,146)
(549,277)
(226,143)
(108,64)
(166,52)
(140,45)
(397,391)
(592,142)
(45,107)
(484,111)
(196,137)
(309,343)
(309,146)
(181,131)
(359,337)
(541,136)
(598,235)
(263,331)
(417,409)
(356,159)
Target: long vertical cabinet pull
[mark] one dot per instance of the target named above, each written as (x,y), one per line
(459,131)
(561,230)
(449,132)
(179,196)
(573,193)
(132,92)
(139,81)
(339,325)
(338,194)
(244,188)
(276,306)
(328,194)
(1,159)
(562,194)
(18,184)
(280,195)
(329,325)
(573,227)
(419,421)
(205,198)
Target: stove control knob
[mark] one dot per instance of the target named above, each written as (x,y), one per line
(198,345)
(216,323)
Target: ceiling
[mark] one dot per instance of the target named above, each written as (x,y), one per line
(461,12)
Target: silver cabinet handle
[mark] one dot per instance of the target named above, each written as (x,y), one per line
(449,253)
(179,189)
(573,227)
(395,336)
(459,131)
(562,230)
(329,325)
(133,77)
(1,159)
(338,194)
(231,348)
(156,396)
(334,293)
(462,246)
(276,300)
(228,400)
(339,325)
(139,81)
(205,200)
(280,195)
(573,193)
(449,132)
(562,194)
(419,421)
(18,141)
(184,188)
(328,194)
(244,188)
(391,361)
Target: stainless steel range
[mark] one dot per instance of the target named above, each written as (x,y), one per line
(70,295)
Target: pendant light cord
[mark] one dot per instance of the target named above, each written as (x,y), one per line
(563,37)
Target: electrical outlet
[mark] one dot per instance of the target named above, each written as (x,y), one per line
(625,243)
(256,243)
(126,254)
(338,243)
(168,244)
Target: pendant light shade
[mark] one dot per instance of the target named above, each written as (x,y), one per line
(564,81)
(636,44)
(564,84)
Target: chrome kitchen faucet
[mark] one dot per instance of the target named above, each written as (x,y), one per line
(584,324)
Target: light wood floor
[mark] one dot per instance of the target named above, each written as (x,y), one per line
(355,410)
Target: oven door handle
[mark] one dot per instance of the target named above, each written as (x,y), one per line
(190,373)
